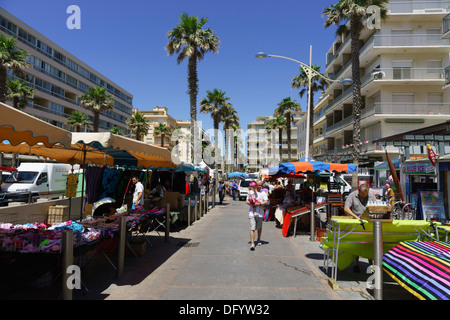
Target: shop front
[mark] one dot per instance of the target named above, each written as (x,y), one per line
(419,175)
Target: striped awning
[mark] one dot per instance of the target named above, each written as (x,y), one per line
(421,267)
(314,166)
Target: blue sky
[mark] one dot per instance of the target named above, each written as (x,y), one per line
(125,40)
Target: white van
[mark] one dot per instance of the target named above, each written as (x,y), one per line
(243,188)
(41,179)
(336,184)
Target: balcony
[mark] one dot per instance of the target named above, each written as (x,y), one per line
(446,27)
(419,7)
(409,74)
(447,76)
(391,43)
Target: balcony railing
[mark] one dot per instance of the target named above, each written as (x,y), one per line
(403,40)
(418,6)
(405,109)
(403,73)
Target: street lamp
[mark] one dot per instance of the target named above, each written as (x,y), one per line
(310,73)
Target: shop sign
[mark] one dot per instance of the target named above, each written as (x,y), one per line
(431,155)
(420,168)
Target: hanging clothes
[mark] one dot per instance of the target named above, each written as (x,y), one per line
(93,181)
(110,180)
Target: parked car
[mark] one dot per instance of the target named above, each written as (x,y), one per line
(39,179)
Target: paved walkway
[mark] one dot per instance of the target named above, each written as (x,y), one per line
(211,260)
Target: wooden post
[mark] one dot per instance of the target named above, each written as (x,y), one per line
(67,249)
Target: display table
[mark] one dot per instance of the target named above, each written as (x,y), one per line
(348,238)
(295,213)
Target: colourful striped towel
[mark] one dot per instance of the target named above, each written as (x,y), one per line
(421,267)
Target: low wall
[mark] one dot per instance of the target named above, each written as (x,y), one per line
(38,212)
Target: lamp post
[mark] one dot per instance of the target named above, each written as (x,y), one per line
(310,73)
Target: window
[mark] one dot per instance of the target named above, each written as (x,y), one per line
(434,66)
(401,69)
(434,34)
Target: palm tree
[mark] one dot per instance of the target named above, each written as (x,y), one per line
(277,123)
(318,83)
(191,41)
(215,102)
(19,92)
(350,14)
(10,58)
(78,119)
(97,100)
(162,130)
(116,130)
(138,125)
(286,107)
(230,121)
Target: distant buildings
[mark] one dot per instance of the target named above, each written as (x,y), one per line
(263,148)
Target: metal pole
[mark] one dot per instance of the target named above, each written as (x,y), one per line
(167,231)
(206,202)
(378,258)
(121,247)
(310,74)
(189,210)
(200,214)
(67,250)
(312,222)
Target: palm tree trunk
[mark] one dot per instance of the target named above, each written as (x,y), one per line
(280,143)
(3,83)
(96,120)
(357,103)
(288,129)
(162,140)
(193,91)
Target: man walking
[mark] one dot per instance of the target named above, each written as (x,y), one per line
(256,216)
(234,189)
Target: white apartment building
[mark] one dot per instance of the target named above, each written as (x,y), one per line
(403,81)
(263,148)
(181,138)
(61,78)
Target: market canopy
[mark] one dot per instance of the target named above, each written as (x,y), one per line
(101,149)
(235,174)
(421,267)
(314,166)
(17,126)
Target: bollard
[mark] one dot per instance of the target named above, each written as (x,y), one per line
(67,248)
(167,231)
(201,205)
(378,258)
(189,211)
(196,207)
(312,223)
(121,247)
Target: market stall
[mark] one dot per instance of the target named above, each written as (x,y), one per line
(310,205)
(348,238)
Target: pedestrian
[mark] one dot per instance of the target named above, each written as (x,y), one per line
(355,205)
(221,189)
(138,195)
(256,217)
(234,189)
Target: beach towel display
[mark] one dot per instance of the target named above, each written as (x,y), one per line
(421,267)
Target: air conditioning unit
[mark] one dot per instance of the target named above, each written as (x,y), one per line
(378,75)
